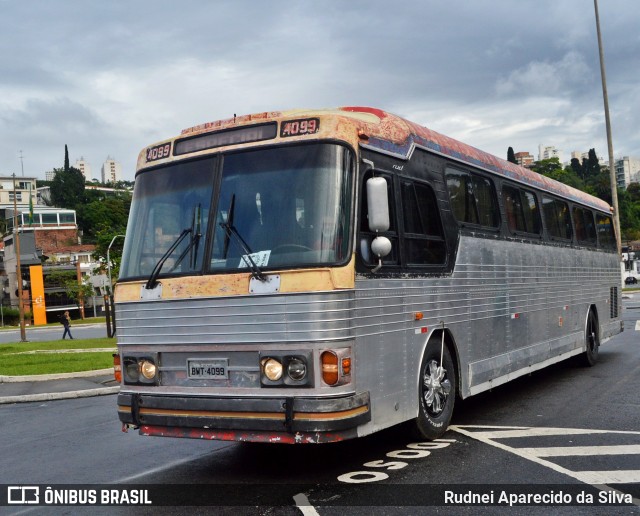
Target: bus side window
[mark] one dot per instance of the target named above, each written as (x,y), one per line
(556,215)
(522,210)
(585,229)
(472,199)
(606,236)
(423,235)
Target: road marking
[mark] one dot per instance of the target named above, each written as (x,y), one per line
(599,479)
(581,451)
(637,325)
(302,502)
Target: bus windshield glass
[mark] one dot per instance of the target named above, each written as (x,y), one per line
(283,207)
(277,208)
(170,209)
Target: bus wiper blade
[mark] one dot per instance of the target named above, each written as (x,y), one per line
(255,270)
(195,241)
(153,278)
(229,230)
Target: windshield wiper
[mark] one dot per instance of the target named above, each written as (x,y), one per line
(195,241)
(230,229)
(152,281)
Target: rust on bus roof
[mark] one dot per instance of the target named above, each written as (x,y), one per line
(399,137)
(392,134)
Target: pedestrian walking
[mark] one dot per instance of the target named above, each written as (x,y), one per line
(66,322)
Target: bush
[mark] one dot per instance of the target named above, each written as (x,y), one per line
(11,316)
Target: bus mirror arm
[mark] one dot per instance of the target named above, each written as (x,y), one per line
(381,247)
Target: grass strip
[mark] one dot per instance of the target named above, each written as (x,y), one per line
(13,361)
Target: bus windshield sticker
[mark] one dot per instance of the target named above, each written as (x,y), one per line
(261,259)
(299,127)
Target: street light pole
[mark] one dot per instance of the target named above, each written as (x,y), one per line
(108,299)
(16,240)
(612,171)
(109,261)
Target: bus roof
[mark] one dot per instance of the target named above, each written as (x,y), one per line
(399,137)
(390,134)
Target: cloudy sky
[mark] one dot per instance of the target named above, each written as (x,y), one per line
(108,78)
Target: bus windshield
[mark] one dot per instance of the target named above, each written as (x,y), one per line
(277,208)
(283,207)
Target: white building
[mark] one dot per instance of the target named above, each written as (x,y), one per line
(548,152)
(83,166)
(627,171)
(111,171)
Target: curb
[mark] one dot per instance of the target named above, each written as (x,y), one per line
(87,393)
(48,396)
(56,376)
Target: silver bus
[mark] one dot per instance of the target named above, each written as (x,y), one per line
(316,276)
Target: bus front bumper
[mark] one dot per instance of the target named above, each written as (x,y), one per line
(252,419)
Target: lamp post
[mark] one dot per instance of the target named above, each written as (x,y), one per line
(16,239)
(109,261)
(111,319)
(612,172)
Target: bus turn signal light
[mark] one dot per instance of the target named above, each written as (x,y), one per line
(336,366)
(329,367)
(117,368)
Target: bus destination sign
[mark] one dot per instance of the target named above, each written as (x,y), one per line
(299,127)
(158,151)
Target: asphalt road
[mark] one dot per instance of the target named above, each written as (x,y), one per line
(46,333)
(567,429)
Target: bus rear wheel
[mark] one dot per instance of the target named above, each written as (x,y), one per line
(592,340)
(437,390)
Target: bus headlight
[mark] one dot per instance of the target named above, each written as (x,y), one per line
(272,369)
(148,369)
(296,369)
(286,368)
(140,370)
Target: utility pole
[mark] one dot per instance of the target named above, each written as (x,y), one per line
(612,171)
(16,239)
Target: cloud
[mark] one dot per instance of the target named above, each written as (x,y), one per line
(563,77)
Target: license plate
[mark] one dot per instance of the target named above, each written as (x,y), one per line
(211,369)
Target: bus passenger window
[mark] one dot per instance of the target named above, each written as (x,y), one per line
(556,215)
(522,210)
(585,228)
(472,199)
(606,235)
(484,194)
(423,236)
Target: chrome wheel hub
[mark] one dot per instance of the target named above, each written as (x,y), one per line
(436,388)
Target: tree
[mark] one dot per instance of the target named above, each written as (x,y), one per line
(547,167)
(66,158)
(68,280)
(104,237)
(511,155)
(67,188)
(590,165)
(576,166)
(107,213)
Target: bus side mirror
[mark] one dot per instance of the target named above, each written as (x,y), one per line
(378,204)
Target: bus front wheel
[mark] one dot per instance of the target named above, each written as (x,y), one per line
(437,390)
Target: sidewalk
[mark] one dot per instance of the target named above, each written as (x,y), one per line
(20,389)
